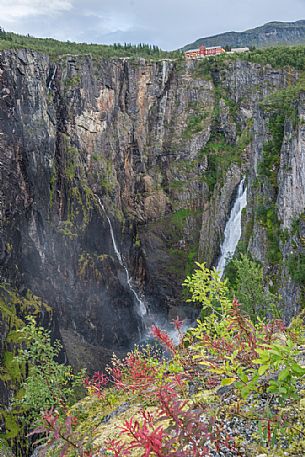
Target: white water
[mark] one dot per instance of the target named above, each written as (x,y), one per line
(141,305)
(233,228)
(52,78)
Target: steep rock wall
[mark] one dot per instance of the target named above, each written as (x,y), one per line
(163,144)
(118,129)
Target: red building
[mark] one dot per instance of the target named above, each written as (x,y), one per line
(203,52)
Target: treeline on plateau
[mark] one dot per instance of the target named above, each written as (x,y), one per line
(56,48)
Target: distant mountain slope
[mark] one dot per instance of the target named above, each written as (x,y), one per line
(270,34)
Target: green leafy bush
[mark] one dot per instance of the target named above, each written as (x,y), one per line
(48,383)
(247,283)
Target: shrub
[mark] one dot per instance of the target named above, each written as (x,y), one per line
(49,384)
(248,285)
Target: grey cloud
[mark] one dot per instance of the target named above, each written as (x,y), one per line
(19,9)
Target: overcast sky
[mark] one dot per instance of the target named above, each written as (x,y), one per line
(168,23)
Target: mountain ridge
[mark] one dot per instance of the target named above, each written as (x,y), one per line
(269,34)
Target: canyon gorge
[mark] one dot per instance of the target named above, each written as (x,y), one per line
(118,174)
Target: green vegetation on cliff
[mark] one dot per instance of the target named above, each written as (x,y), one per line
(279,57)
(49,384)
(13,310)
(246,281)
(221,155)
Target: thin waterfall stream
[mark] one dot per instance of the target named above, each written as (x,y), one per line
(233,228)
(52,77)
(147,317)
(141,307)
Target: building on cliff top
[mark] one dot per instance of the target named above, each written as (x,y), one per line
(202,51)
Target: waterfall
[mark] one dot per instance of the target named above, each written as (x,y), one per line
(52,77)
(233,228)
(164,71)
(141,305)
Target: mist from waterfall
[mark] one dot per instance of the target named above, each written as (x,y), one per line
(233,228)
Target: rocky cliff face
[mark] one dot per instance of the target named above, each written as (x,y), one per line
(164,146)
(78,129)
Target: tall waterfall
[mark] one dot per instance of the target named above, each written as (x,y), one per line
(141,308)
(233,228)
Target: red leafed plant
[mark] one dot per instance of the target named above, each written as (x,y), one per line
(164,338)
(96,384)
(141,435)
(117,448)
(140,374)
(60,431)
(184,432)
(177,323)
(144,435)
